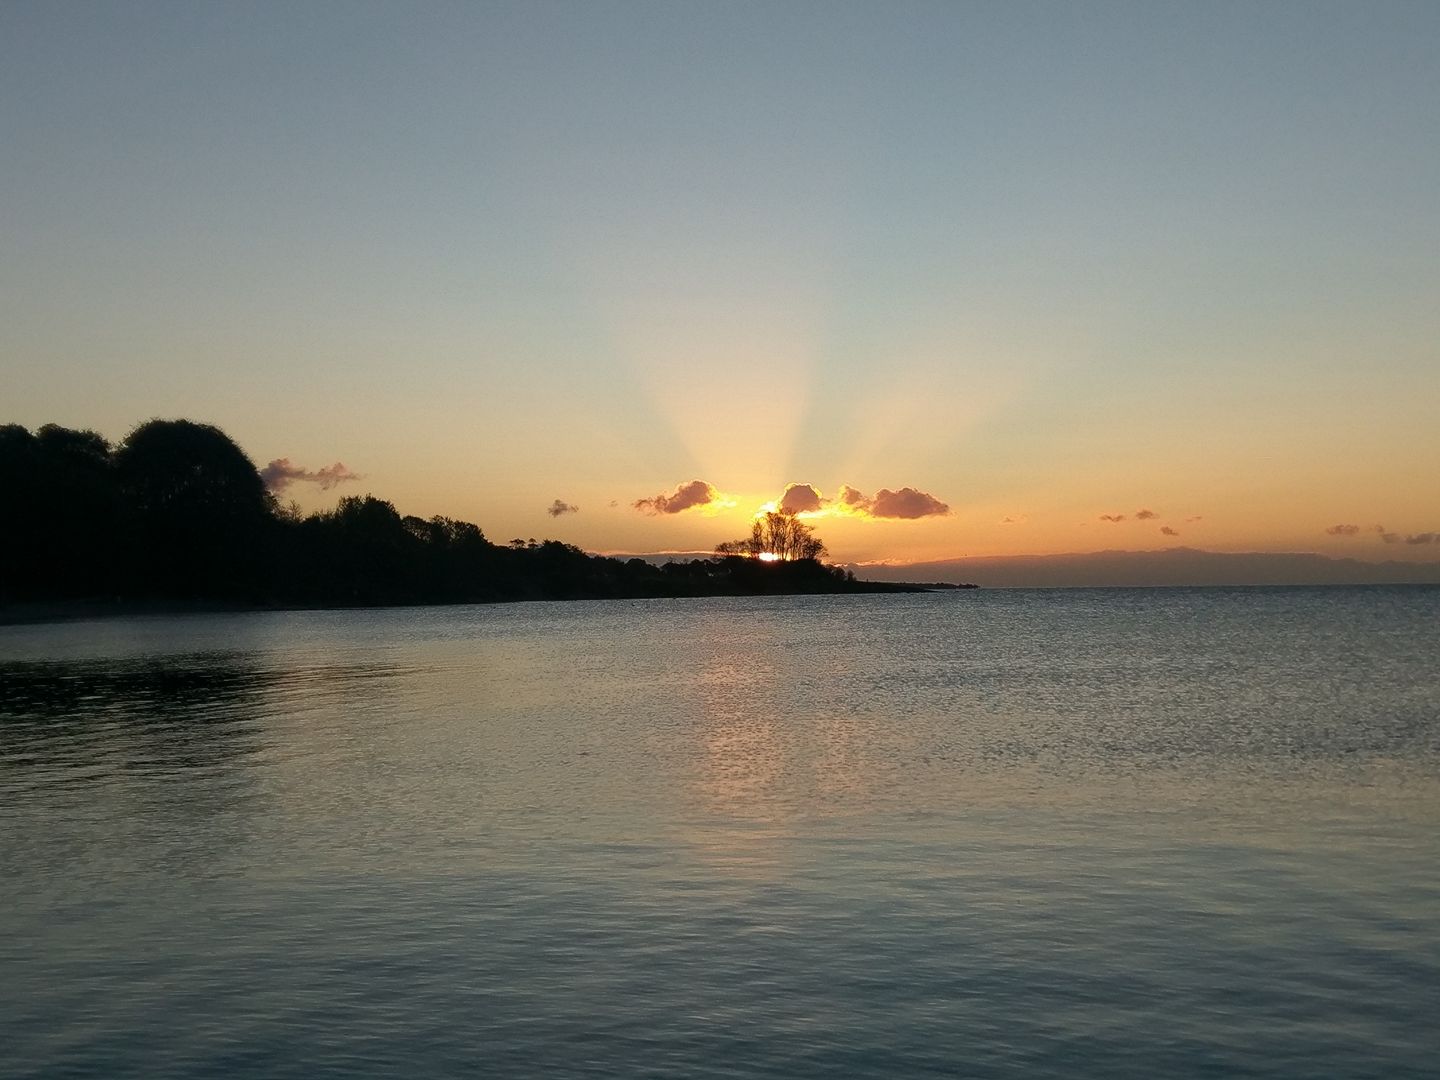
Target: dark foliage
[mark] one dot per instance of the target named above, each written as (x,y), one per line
(781,535)
(178,513)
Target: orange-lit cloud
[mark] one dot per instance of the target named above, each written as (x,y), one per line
(1112,518)
(907,503)
(800,499)
(1343,530)
(1168,531)
(1145,515)
(560,506)
(684,497)
(1423,538)
(280,474)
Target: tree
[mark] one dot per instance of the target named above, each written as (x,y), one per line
(173,468)
(201,514)
(78,512)
(779,536)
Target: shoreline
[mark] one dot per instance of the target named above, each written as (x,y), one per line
(37,613)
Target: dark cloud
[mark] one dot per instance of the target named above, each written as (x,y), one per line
(1020,520)
(1168,531)
(1390,537)
(1145,515)
(684,497)
(851,498)
(907,503)
(1192,520)
(799,499)
(1343,530)
(280,474)
(560,506)
(1112,518)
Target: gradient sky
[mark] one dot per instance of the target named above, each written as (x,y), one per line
(1045,262)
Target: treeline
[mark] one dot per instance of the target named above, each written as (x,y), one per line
(177,512)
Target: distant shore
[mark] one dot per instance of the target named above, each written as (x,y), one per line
(40,612)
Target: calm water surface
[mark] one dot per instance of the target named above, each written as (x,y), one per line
(1109,834)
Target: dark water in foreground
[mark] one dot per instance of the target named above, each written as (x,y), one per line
(1109,834)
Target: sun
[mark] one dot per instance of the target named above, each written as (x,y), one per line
(768,556)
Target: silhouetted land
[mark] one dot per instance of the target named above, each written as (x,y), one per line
(177,516)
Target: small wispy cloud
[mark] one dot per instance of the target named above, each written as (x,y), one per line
(1114,519)
(685,497)
(1342,530)
(1145,515)
(560,506)
(1413,539)
(1017,519)
(1168,531)
(281,473)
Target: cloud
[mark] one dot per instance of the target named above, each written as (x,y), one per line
(907,503)
(800,499)
(1385,537)
(1191,520)
(1145,515)
(1168,531)
(1423,538)
(1018,519)
(1112,518)
(560,506)
(1342,530)
(684,497)
(280,474)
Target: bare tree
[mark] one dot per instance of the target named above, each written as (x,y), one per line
(781,536)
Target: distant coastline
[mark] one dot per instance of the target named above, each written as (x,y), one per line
(1178,567)
(176,518)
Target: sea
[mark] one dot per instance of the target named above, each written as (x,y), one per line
(986,833)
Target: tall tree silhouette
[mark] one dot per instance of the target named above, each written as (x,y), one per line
(80,510)
(60,525)
(201,515)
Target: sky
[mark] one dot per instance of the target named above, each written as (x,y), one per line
(977,279)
